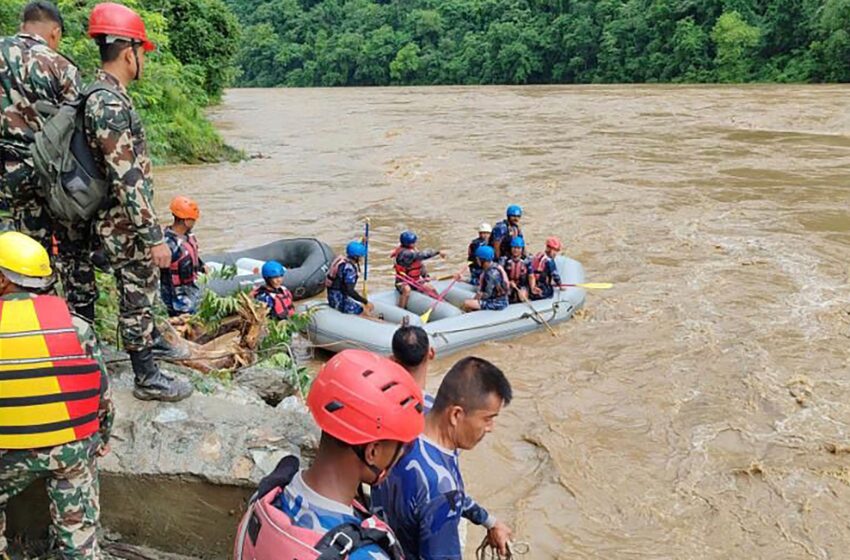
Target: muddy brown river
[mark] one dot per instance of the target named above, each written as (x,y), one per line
(701,408)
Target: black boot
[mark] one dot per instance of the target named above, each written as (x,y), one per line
(167,351)
(86,312)
(151,384)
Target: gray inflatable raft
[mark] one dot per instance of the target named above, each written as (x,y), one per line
(449,329)
(306,260)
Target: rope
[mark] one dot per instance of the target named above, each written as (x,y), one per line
(486,551)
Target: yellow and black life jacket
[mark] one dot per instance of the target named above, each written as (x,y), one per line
(49,387)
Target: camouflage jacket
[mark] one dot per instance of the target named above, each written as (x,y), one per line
(115,135)
(31,71)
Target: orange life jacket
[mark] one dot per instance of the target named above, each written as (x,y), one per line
(282,307)
(184,269)
(414,272)
(517,270)
(49,388)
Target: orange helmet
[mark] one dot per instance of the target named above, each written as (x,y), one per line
(553,243)
(184,208)
(114,20)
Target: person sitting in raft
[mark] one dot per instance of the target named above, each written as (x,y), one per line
(424,495)
(273,293)
(341,279)
(369,410)
(410,273)
(493,285)
(178,283)
(483,238)
(544,276)
(517,268)
(504,231)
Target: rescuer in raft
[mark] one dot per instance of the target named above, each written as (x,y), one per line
(56,414)
(342,278)
(273,293)
(409,266)
(178,283)
(369,410)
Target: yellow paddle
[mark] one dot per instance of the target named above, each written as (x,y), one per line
(590,285)
(427,315)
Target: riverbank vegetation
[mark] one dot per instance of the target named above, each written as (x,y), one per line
(196,42)
(369,42)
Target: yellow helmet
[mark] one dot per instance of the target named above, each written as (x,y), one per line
(24,261)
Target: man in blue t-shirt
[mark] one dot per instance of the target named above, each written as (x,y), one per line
(424,496)
(413,351)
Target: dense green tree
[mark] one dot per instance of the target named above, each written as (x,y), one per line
(735,40)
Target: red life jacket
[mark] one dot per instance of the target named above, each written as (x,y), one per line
(501,288)
(184,269)
(49,387)
(538,263)
(517,270)
(415,272)
(267,533)
(282,298)
(333,271)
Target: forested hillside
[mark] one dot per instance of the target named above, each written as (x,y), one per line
(367,42)
(196,41)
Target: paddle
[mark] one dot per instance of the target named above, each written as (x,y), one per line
(366,262)
(414,284)
(427,315)
(524,298)
(589,285)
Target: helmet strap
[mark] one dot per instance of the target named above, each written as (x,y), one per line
(360,451)
(134,45)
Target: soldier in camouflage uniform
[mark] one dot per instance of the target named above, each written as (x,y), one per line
(44,344)
(30,71)
(128,228)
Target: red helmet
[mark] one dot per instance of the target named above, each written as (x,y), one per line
(553,243)
(119,21)
(184,208)
(359,397)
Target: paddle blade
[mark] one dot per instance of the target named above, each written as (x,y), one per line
(425,316)
(597,285)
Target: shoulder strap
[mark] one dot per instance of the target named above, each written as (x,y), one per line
(281,476)
(341,541)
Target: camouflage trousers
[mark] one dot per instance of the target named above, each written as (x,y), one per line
(72,488)
(72,254)
(137,280)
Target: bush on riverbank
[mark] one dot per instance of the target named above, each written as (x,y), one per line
(368,42)
(190,67)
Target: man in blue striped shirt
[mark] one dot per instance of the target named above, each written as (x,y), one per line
(424,496)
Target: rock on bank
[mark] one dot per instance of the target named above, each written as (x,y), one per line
(178,474)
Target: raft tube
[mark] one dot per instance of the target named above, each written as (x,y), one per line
(306,260)
(448,328)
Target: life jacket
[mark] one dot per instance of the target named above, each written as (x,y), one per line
(267,533)
(539,263)
(505,243)
(49,388)
(414,272)
(517,270)
(502,287)
(282,299)
(333,281)
(184,269)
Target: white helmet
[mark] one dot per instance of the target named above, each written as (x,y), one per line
(484,226)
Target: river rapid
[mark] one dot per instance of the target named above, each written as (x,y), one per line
(700,409)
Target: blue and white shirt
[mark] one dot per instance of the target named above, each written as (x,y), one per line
(310,510)
(424,500)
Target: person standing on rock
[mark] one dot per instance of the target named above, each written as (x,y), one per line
(368,408)
(55,412)
(32,71)
(130,234)
(424,495)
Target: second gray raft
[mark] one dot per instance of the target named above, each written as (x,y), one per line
(449,329)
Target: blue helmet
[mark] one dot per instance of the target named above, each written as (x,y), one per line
(407,238)
(355,249)
(514,210)
(485,253)
(273,269)
(518,242)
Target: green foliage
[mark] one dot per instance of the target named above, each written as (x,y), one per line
(213,309)
(106,309)
(276,350)
(192,63)
(369,42)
